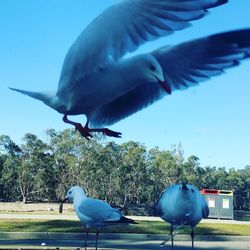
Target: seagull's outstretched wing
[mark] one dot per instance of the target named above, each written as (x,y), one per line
(184,65)
(123,27)
(189,63)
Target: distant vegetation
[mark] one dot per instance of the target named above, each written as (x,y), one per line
(127,175)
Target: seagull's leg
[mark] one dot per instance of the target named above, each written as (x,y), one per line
(192,236)
(172,236)
(86,238)
(96,242)
(84,131)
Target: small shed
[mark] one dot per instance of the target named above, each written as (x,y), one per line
(220,203)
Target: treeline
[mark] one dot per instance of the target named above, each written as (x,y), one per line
(127,175)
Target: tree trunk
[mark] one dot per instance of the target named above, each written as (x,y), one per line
(24,199)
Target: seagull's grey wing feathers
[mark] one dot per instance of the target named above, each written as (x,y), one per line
(98,210)
(123,27)
(184,66)
(189,63)
(126,105)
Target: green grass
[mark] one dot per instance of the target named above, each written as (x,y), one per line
(144,227)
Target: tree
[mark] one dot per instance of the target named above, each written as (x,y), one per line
(34,169)
(106,181)
(9,147)
(244,193)
(192,172)
(133,175)
(239,182)
(74,161)
(2,160)
(10,155)
(128,175)
(163,170)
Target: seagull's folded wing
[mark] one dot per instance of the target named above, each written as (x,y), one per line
(98,210)
(126,25)
(184,65)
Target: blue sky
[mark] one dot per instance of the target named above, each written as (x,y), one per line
(211,121)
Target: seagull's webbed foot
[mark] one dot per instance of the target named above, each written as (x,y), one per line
(107,132)
(86,131)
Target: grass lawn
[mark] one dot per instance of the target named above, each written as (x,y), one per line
(144,227)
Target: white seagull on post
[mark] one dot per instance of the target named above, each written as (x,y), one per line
(98,82)
(94,213)
(182,205)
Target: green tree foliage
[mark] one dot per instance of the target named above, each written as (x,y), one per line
(10,160)
(128,175)
(133,175)
(163,170)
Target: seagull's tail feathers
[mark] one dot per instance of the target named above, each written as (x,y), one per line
(127,220)
(122,220)
(42,96)
(49,98)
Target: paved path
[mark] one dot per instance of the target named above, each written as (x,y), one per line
(133,242)
(116,241)
(74,217)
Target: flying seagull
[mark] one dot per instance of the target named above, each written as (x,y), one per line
(94,213)
(180,205)
(98,81)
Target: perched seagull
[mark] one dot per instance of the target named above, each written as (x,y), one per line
(180,205)
(94,213)
(97,81)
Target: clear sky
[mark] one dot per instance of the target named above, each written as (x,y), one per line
(212,121)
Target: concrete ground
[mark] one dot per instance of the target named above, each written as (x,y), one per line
(120,241)
(133,244)
(116,241)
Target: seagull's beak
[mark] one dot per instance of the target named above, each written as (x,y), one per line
(163,84)
(65,199)
(61,204)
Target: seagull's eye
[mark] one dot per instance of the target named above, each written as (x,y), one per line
(192,190)
(70,192)
(152,67)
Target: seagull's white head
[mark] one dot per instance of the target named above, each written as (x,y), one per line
(73,192)
(151,69)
